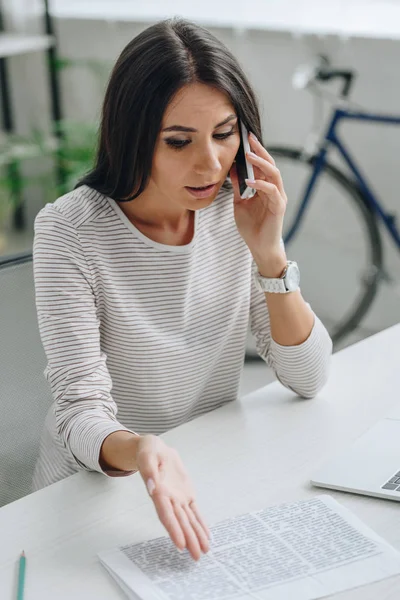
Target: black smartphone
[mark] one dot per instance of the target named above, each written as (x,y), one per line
(244,169)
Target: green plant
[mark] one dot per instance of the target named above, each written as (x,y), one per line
(75,151)
(70,149)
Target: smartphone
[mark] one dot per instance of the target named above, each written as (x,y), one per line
(244,169)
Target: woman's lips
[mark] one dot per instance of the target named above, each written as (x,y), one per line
(202,192)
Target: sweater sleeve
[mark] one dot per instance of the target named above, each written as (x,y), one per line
(303,368)
(85,411)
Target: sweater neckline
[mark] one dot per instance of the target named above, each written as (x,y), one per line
(183,249)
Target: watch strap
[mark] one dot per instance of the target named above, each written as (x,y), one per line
(271,284)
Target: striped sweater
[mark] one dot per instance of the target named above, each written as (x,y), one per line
(143,336)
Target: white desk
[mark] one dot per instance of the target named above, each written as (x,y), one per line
(244,456)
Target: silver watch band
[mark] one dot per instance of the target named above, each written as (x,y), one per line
(273,285)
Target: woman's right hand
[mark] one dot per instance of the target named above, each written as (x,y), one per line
(169,486)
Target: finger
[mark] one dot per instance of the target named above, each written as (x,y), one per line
(259,149)
(268,170)
(198,529)
(258,173)
(167,516)
(276,203)
(200,519)
(192,543)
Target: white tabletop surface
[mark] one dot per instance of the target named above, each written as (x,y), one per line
(378,19)
(253,453)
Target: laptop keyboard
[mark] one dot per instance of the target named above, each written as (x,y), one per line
(393,483)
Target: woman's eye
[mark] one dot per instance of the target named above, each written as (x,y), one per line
(177,143)
(223,136)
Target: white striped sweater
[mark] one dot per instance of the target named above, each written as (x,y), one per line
(142,336)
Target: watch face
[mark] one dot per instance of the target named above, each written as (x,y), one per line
(292,279)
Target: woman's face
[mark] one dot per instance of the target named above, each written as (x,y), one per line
(196,147)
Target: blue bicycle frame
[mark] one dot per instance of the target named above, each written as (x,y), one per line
(331,139)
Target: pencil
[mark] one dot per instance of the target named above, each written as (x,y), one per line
(21,576)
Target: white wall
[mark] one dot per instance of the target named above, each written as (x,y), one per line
(269,59)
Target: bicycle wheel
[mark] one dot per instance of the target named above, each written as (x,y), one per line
(337,242)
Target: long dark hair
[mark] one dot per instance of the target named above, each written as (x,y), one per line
(150,70)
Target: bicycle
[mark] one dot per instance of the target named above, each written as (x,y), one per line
(346,203)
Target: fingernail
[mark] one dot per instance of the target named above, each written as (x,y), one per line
(253,136)
(151,486)
(180,551)
(250,181)
(253,154)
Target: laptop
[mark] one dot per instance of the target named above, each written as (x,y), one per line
(370,466)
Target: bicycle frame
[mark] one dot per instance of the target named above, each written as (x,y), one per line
(331,139)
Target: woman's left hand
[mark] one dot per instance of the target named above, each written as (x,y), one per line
(260,219)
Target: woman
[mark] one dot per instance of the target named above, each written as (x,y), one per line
(143,274)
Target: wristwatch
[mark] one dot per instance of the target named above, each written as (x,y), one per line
(288,282)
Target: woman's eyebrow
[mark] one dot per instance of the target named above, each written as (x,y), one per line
(192,130)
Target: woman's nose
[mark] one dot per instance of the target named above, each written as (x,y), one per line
(207,162)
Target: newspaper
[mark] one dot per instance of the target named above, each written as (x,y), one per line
(304,550)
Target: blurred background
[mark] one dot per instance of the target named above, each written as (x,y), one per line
(55,59)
